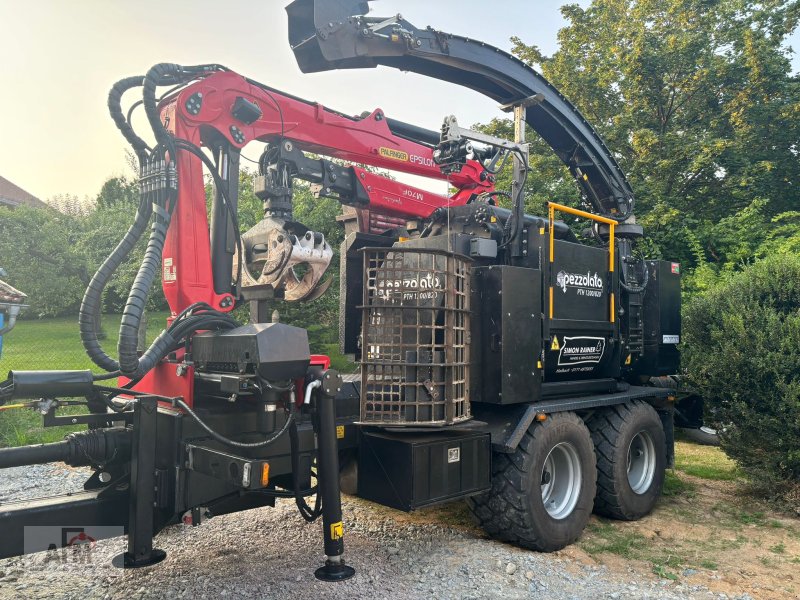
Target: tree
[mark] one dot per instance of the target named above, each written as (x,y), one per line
(118,190)
(742,353)
(39,249)
(52,254)
(697,101)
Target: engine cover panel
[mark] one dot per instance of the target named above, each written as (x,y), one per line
(274,351)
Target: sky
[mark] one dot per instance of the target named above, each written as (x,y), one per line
(59,59)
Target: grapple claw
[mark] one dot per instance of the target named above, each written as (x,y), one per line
(285,262)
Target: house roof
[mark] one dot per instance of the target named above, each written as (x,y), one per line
(10,294)
(13,195)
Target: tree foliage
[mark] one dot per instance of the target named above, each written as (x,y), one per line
(742,352)
(38,250)
(697,101)
(52,254)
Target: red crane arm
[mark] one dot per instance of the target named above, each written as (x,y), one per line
(314,128)
(203,113)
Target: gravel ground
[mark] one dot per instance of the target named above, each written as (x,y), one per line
(271,553)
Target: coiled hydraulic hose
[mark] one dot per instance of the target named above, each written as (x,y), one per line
(115,109)
(92,298)
(158,195)
(129,361)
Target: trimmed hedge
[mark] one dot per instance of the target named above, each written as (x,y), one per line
(741,349)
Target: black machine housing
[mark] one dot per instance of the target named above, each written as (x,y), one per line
(553,326)
(522,349)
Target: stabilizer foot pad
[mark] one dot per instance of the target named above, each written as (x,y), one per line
(126,561)
(334,572)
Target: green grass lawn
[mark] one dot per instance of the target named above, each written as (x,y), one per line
(52,344)
(56,344)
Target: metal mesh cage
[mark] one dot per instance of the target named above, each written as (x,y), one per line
(415,337)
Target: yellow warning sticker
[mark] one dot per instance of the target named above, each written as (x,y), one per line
(340,431)
(337,531)
(538,364)
(393,154)
(554,345)
(628,360)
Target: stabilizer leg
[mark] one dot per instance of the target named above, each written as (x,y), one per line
(142,495)
(335,568)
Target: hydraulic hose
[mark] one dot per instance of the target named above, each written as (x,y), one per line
(309,514)
(160,74)
(166,74)
(232,443)
(165,196)
(92,298)
(115,108)
(158,194)
(129,362)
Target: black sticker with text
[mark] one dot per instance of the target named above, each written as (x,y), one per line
(581,350)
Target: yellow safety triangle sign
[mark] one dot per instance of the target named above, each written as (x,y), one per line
(628,360)
(554,345)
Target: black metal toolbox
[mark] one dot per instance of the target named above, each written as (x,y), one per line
(412,470)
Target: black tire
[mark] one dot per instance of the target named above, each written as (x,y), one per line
(700,436)
(514,510)
(614,430)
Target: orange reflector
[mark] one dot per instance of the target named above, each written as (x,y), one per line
(265,475)
(541,417)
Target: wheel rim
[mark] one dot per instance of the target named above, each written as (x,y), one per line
(561,480)
(641,462)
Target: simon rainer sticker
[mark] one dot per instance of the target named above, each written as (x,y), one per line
(581,350)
